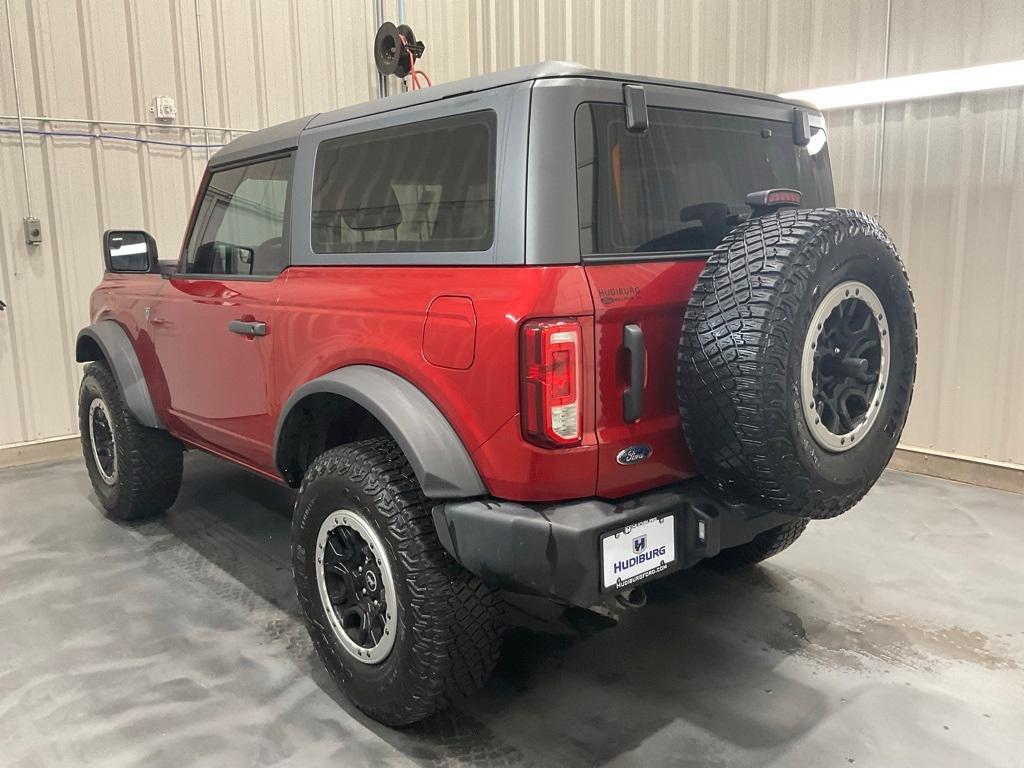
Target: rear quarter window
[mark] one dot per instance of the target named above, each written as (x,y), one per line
(681,185)
(421,187)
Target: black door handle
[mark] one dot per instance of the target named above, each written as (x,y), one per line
(248,327)
(633,396)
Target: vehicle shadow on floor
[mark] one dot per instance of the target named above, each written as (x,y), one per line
(702,664)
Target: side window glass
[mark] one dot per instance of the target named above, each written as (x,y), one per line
(240,228)
(424,187)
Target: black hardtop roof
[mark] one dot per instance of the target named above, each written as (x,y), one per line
(285,136)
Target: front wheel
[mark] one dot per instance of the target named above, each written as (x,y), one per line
(401,627)
(135,471)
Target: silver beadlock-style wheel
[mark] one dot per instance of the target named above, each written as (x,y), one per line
(101,440)
(413,629)
(845,366)
(357,587)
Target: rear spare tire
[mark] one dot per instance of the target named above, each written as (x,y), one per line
(797,359)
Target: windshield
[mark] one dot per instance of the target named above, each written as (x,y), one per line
(681,185)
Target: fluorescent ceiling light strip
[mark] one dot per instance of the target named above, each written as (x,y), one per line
(1007,74)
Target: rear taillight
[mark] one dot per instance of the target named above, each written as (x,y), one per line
(551,383)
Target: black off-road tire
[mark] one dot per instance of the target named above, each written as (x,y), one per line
(148,461)
(449,624)
(766,544)
(740,359)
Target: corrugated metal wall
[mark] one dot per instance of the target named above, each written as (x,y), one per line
(946,175)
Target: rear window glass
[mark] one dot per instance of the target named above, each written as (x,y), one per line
(682,184)
(422,187)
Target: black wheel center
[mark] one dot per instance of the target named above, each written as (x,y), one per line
(847,365)
(354,586)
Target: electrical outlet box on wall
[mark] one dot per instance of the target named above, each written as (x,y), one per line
(33,231)
(164,109)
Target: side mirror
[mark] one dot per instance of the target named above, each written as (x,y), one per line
(129,251)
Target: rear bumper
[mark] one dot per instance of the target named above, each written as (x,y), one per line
(554,550)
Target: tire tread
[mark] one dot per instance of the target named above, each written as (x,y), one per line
(149,461)
(733,358)
(456,619)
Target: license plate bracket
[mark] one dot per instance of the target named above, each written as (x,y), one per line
(637,552)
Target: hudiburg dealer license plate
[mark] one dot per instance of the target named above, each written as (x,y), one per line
(638,551)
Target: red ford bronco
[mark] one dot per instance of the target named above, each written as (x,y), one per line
(548,331)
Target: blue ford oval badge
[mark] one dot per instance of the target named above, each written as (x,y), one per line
(634,454)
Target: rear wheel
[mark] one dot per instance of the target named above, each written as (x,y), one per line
(135,471)
(401,627)
(766,544)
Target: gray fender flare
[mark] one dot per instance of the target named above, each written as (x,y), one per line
(117,348)
(438,457)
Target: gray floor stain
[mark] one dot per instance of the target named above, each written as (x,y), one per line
(891,636)
(891,639)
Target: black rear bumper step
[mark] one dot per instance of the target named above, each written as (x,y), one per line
(554,550)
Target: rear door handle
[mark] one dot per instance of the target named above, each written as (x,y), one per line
(248,327)
(633,396)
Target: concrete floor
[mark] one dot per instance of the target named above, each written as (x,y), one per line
(893,636)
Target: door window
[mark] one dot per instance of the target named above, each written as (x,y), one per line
(426,186)
(240,228)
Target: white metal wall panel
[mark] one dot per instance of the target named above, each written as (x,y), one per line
(34,316)
(930,35)
(953,199)
(945,174)
(855,149)
(813,43)
(715,41)
(765,45)
(268,61)
(90,59)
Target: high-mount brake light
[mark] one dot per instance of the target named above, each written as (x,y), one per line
(550,383)
(784,196)
(768,201)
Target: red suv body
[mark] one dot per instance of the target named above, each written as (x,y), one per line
(441,238)
(470,324)
(452,331)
